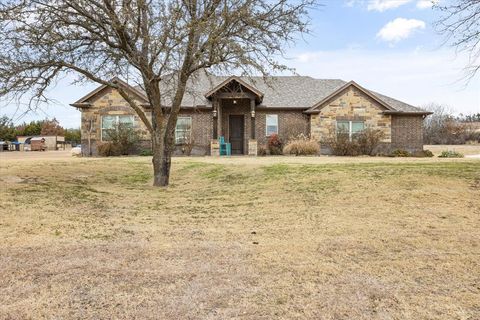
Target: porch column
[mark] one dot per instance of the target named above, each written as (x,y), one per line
(215,116)
(219,119)
(252,119)
(252,143)
(214,144)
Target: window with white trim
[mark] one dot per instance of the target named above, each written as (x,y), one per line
(271,124)
(183,130)
(350,127)
(112,121)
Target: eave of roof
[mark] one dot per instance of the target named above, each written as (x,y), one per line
(408,113)
(81,104)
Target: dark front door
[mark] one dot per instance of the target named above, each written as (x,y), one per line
(236,133)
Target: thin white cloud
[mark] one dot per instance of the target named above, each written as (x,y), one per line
(382,5)
(399,29)
(307,57)
(350,3)
(426,4)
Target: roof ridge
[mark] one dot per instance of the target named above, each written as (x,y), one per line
(283,91)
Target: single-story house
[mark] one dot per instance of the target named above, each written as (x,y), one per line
(246,111)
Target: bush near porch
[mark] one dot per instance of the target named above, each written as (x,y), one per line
(302,146)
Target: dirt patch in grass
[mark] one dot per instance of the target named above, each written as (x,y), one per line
(240,238)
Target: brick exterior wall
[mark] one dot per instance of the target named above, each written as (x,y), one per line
(407,132)
(290,122)
(202,131)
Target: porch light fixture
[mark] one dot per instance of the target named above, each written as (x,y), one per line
(252,113)
(234,101)
(214,113)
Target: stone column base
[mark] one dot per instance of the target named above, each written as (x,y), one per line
(252,147)
(214,148)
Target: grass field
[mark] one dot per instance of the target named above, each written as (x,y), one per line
(246,238)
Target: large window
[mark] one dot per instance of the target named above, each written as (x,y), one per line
(272,124)
(350,127)
(183,130)
(112,121)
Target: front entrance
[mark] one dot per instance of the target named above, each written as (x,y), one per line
(236,127)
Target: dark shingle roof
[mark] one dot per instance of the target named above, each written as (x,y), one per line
(397,105)
(293,92)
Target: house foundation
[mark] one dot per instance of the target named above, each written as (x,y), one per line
(252,147)
(214,148)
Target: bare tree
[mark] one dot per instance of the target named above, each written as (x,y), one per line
(442,127)
(460,24)
(158,44)
(89,126)
(52,128)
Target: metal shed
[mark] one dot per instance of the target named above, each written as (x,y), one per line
(38,144)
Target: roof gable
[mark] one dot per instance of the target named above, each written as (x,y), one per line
(231,81)
(322,103)
(84,101)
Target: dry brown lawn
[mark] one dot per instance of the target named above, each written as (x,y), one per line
(246,238)
(466,149)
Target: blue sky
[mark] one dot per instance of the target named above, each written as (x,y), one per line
(388,46)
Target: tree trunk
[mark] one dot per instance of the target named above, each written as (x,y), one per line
(162,160)
(163,130)
(89,144)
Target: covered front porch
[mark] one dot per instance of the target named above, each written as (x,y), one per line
(234,104)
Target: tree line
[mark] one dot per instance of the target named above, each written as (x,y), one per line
(9,131)
(443,127)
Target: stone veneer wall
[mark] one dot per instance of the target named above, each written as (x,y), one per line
(107,102)
(407,132)
(351,104)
